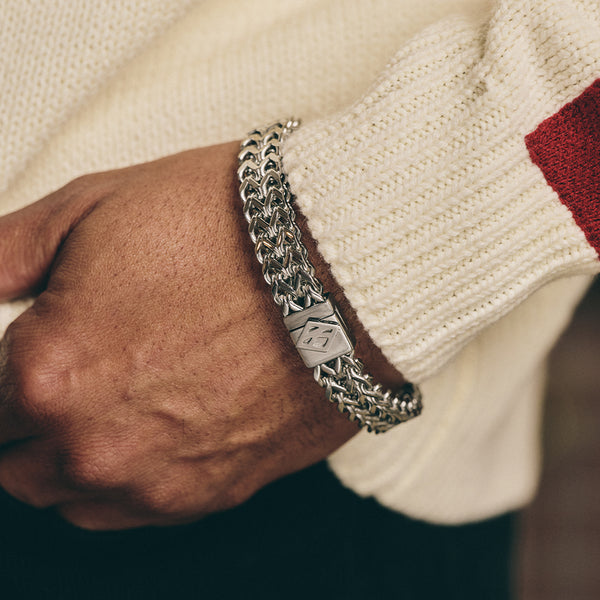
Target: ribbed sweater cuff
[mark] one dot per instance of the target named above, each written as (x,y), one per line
(423,196)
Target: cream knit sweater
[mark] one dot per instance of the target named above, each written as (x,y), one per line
(457,245)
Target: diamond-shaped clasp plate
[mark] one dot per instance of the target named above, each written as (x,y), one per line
(319,333)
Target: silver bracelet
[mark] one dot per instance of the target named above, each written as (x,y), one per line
(313,320)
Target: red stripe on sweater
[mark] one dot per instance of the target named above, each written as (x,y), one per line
(566,147)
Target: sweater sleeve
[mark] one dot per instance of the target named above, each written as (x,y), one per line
(465,179)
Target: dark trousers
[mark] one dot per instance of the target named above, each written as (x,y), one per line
(303,537)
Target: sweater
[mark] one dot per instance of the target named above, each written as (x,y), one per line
(446,165)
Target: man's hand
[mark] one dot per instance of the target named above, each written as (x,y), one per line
(152,381)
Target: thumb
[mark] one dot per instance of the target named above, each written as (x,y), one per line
(29,241)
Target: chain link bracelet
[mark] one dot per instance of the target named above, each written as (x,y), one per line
(313,320)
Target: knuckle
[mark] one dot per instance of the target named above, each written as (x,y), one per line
(15,482)
(38,375)
(162,499)
(102,469)
(234,495)
(27,494)
(85,190)
(30,497)
(80,186)
(39,385)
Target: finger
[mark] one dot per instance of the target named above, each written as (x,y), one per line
(99,515)
(28,242)
(30,237)
(31,472)
(13,425)
(33,371)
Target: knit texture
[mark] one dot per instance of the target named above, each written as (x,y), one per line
(58,69)
(423,196)
(566,148)
(93,89)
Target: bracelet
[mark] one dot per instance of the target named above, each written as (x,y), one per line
(312,318)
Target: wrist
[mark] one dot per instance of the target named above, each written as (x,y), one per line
(375,362)
(318,330)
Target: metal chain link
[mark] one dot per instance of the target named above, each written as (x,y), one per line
(267,205)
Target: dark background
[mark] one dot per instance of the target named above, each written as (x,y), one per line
(559,543)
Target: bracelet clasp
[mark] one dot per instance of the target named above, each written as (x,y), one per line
(319,333)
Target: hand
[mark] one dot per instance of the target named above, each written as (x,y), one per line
(152,381)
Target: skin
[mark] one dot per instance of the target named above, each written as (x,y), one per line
(153,382)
